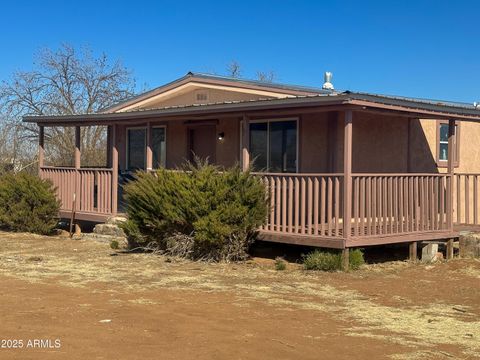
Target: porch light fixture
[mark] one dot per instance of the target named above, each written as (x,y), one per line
(221,136)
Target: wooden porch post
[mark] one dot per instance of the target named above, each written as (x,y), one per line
(347,182)
(77,147)
(41,149)
(109,146)
(114,154)
(78,154)
(245,143)
(450,169)
(149,157)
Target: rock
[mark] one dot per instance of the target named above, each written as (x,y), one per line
(62,233)
(429,253)
(108,229)
(469,245)
(115,220)
(35,258)
(105,321)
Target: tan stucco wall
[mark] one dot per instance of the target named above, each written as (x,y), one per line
(227,150)
(313,150)
(380,144)
(469,137)
(214,96)
(469,147)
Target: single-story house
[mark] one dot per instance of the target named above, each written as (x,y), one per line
(344,169)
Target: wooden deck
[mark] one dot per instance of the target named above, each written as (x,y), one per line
(306,209)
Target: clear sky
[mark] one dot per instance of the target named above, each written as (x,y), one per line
(414,48)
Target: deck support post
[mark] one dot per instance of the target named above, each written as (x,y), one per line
(245,143)
(114,154)
(449,249)
(412,251)
(345,259)
(149,157)
(450,169)
(347,175)
(41,149)
(78,155)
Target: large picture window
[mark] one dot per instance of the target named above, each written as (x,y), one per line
(136,148)
(442,144)
(273,146)
(158,147)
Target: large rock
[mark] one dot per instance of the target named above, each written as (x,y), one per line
(115,220)
(429,252)
(109,229)
(469,244)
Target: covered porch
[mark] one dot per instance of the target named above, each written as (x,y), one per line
(346,205)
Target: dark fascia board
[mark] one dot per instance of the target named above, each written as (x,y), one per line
(232,107)
(416,108)
(412,104)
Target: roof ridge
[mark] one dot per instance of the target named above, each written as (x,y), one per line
(260,82)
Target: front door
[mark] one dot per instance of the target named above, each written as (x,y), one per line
(202,142)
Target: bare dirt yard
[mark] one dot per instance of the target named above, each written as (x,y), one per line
(144,306)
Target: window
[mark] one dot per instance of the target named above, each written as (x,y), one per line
(273,146)
(136,148)
(442,143)
(158,147)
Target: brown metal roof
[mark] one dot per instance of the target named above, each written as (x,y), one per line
(415,107)
(294,90)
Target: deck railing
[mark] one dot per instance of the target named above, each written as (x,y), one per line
(312,204)
(382,204)
(466,198)
(92,185)
(389,204)
(307,204)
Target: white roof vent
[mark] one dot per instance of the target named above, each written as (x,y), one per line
(327,85)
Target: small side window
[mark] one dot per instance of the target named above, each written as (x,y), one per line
(442,143)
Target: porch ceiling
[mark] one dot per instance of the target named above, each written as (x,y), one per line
(322,102)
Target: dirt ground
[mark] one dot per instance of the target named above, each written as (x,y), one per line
(99,304)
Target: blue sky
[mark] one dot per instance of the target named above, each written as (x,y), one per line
(413,48)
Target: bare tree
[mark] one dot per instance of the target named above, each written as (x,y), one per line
(267,77)
(64,82)
(234,69)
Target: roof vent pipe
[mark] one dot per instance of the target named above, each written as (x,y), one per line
(327,85)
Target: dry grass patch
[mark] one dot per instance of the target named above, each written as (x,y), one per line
(80,263)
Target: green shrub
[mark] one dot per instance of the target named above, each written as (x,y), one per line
(27,203)
(280,264)
(199,212)
(356,259)
(114,244)
(332,260)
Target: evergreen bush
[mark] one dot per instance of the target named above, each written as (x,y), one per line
(27,203)
(199,212)
(332,260)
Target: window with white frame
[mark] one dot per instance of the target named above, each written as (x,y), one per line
(273,145)
(442,143)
